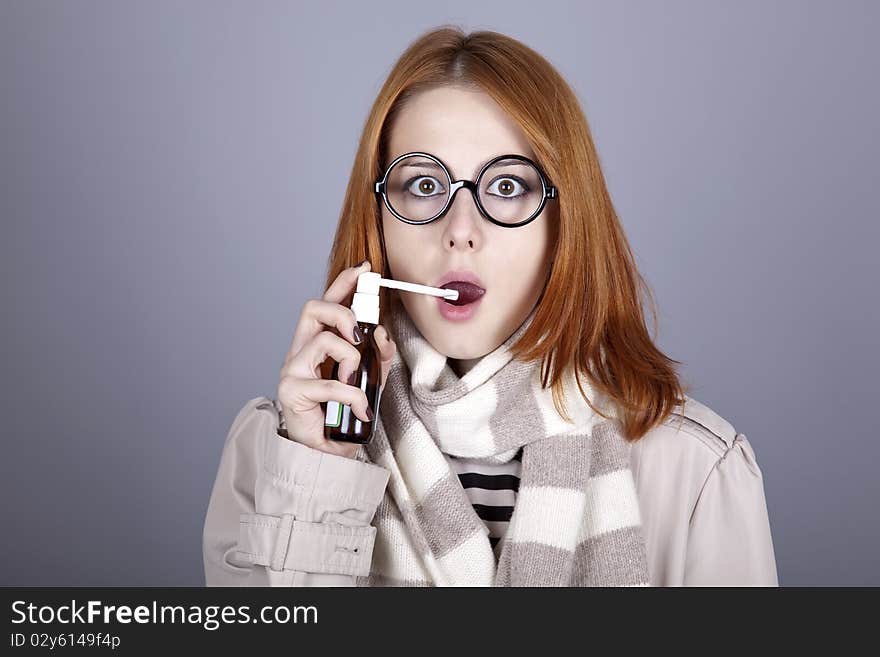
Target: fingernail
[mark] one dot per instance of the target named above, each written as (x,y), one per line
(360,264)
(358,334)
(352,378)
(369,413)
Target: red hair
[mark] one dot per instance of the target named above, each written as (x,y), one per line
(589,317)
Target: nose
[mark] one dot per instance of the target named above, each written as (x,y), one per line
(463,221)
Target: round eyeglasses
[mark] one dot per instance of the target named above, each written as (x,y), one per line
(510,190)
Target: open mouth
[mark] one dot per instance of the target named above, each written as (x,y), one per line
(467,292)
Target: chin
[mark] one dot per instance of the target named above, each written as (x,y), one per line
(440,340)
(470,354)
(460,345)
(464,341)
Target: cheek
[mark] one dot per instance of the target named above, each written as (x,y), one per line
(530,249)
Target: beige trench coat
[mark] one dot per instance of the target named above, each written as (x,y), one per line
(284,514)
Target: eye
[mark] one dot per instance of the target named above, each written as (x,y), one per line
(508,187)
(424,186)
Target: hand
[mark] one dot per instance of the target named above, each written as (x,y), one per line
(301,388)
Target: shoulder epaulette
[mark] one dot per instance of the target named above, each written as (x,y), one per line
(704,416)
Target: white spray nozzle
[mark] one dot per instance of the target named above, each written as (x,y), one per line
(369,282)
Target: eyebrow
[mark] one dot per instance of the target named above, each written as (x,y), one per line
(424,162)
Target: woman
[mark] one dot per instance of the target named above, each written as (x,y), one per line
(534,436)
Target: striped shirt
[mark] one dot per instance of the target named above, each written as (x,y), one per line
(492,490)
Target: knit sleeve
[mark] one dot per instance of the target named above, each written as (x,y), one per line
(729,541)
(284,514)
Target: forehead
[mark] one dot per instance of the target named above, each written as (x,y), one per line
(464,128)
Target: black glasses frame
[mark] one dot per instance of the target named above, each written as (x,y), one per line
(549,191)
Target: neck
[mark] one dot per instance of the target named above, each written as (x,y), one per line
(463,366)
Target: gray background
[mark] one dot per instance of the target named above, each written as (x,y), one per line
(171,177)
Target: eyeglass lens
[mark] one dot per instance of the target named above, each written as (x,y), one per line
(418,188)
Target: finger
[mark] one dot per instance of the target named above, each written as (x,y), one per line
(306,363)
(387,349)
(386,345)
(345,283)
(313,391)
(317,316)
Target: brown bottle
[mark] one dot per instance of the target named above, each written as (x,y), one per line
(340,423)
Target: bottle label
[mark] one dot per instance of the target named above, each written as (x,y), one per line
(333,416)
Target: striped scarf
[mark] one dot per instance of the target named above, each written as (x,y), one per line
(576,520)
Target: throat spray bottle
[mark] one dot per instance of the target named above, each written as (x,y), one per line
(340,423)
